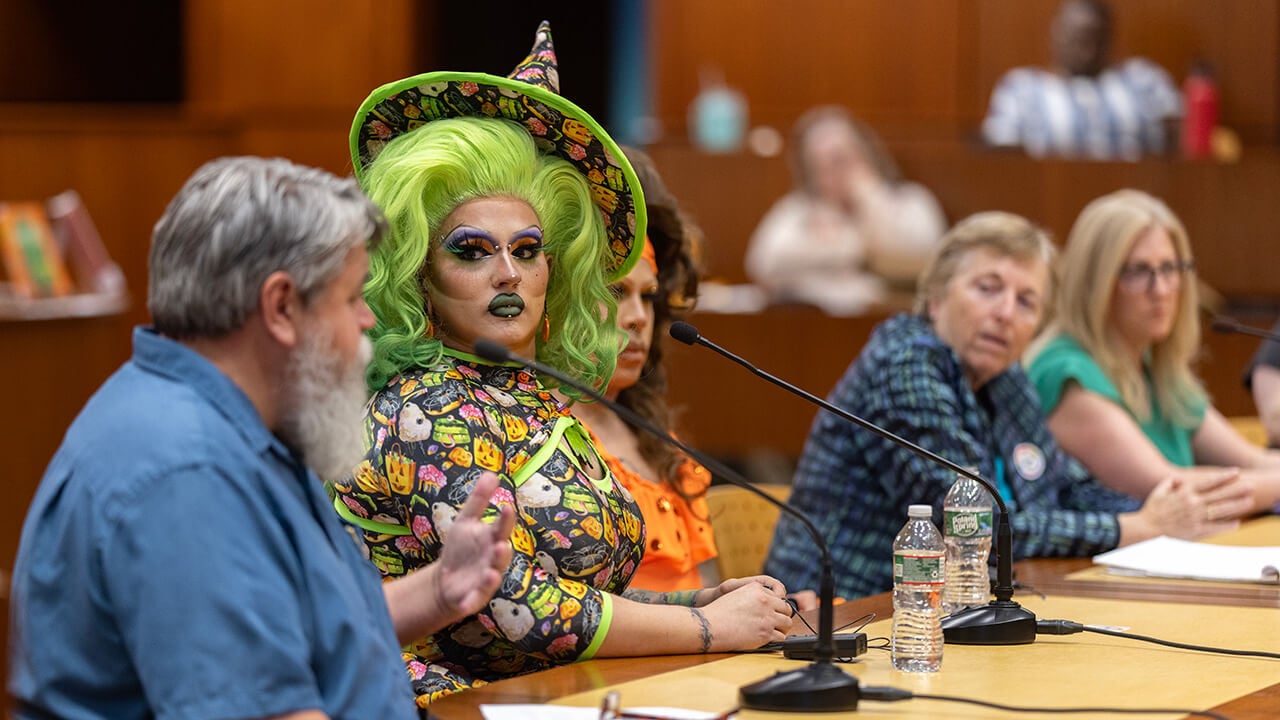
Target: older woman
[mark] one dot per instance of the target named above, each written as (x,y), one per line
(510,209)
(947,377)
(1115,375)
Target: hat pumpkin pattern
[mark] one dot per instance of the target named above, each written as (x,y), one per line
(530,96)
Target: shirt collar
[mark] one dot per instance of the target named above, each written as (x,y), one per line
(169,358)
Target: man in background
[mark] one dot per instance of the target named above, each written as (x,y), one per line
(1081,107)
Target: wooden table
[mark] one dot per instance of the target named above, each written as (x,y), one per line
(1049,576)
(1079,577)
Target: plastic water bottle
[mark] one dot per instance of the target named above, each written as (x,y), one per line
(919,558)
(966,527)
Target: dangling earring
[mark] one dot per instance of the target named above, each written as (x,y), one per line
(546,327)
(430,317)
(427,310)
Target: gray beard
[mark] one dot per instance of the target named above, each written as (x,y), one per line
(325,405)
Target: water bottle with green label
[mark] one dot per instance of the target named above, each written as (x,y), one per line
(966,527)
(919,560)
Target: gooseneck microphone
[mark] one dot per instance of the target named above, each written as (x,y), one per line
(1228,326)
(819,686)
(1000,622)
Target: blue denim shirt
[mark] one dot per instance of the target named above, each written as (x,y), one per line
(179,561)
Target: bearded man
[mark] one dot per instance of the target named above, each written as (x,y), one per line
(180,558)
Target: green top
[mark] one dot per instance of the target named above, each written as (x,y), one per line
(1063,359)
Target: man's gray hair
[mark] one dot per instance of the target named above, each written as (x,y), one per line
(236,221)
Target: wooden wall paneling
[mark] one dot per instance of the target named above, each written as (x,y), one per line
(886,61)
(320,142)
(727,411)
(294,56)
(1241,38)
(1228,209)
(968,179)
(726,195)
(1233,221)
(126,173)
(1009,34)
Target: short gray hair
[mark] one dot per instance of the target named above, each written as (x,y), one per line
(236,221)
(1004,233)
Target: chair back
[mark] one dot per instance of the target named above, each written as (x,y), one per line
(1251,428)
(743,525)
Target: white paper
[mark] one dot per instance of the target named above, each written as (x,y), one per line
(1174,558)
(561,712)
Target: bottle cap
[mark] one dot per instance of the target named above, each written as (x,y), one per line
(917,511)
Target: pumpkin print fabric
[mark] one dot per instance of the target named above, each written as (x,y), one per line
(578,536)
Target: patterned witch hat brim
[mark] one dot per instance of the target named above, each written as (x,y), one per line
(557,126)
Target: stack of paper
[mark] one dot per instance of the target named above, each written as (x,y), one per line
(1173,558)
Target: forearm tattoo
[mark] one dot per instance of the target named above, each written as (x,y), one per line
(649,597)
(705,628)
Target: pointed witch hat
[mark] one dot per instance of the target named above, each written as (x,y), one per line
(530,96)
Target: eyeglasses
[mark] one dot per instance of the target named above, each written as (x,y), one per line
(1141,277)
(611,709)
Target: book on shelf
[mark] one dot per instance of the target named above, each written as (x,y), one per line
(81,245)
(32,262)
(1173,558)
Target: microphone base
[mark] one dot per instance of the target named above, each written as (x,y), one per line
(1000,622)
(820,687)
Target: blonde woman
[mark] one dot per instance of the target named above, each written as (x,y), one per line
(1114,373)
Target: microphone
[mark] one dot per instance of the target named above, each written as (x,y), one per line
(1228,326)
(819,686)
(1000,622)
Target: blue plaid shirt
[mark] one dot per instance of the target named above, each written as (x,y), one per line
(856,486)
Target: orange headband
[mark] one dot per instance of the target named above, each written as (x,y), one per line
(647,255)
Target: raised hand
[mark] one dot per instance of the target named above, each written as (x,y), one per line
(476,553)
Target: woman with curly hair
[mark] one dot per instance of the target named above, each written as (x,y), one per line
(510,210)
(669,487)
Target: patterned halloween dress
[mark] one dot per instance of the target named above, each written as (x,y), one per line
(579,535)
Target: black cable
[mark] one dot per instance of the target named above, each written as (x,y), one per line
(1067,627)
(889,694)
(864,619)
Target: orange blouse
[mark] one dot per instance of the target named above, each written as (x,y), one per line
(678,533)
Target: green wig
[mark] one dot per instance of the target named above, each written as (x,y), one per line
(422,176)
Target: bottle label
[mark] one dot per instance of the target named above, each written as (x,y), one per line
(918,568)
(966,523)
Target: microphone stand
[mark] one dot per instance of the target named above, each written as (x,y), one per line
(819,686)
(1229,326)
(1000,622)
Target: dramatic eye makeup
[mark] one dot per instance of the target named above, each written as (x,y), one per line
(471,243)
(526,244)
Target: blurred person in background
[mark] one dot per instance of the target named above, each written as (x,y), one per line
(1081,107)
(851,229)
